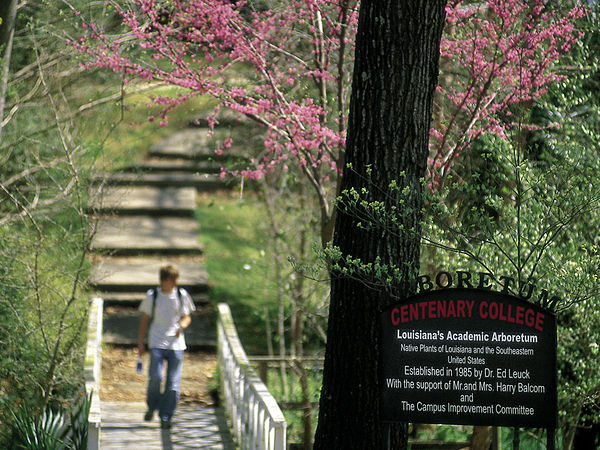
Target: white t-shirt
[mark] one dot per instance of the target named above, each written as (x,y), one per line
(167,312)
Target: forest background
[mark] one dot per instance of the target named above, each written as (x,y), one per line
(512,185)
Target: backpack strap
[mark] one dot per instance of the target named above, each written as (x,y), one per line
(154,294)
(179,297)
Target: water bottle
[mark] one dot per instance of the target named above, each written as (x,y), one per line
(139,365)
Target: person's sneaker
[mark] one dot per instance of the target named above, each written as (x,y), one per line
(166,424)
(148,416)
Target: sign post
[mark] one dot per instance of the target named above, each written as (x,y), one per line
(468,356)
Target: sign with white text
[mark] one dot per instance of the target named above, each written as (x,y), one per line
(468,356)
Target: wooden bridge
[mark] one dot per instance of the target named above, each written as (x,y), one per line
(250,417)
(145,219)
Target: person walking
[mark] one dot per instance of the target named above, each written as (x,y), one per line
(165,314)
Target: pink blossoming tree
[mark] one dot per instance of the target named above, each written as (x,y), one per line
(288,67)
(495,55)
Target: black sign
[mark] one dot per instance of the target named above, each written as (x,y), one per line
(468,356)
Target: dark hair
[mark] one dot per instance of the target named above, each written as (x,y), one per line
(169,272)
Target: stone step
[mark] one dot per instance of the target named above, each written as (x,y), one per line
(120,326)
(140,274)
(197,144)
(190,143)
(202,182)
(174,165)
(135,298)
(153,201)
(134,235)
(200,162)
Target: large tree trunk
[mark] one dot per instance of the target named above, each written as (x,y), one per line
(395,75)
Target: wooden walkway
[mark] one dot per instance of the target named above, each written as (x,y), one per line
(194,427)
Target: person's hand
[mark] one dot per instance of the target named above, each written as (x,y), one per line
(141,349)
(178,332)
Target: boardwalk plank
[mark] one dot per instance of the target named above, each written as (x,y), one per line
(193,427)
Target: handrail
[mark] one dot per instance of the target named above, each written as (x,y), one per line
(92,365)
(255,416)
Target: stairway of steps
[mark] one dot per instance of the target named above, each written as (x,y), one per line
(146,218)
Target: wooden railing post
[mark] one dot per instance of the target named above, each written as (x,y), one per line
(254,414)
(92,367)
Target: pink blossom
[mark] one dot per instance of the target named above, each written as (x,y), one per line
(506,58)
(502,52)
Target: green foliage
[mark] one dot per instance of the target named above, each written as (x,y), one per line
(314,376)
(392,216)
(510,211)
(121,131)
(232,231)
(45,172)
(243,263)
(531,218)
(78,422)
(44,318)
(520,219)
(45,432)
(574,103)
(444,433)
(375,274)
(53,429)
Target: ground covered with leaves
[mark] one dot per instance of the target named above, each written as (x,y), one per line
(120,382)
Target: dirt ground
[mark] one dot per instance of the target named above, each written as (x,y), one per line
(120,382)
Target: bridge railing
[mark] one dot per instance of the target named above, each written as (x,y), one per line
(255,416)
(93,360)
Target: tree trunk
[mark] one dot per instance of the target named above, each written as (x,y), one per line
(8,13)
(481,439)
(395,75)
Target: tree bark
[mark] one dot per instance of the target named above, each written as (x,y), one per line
(8,13)
(481,438)
(395,75)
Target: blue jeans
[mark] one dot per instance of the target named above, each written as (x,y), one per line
(166,401)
